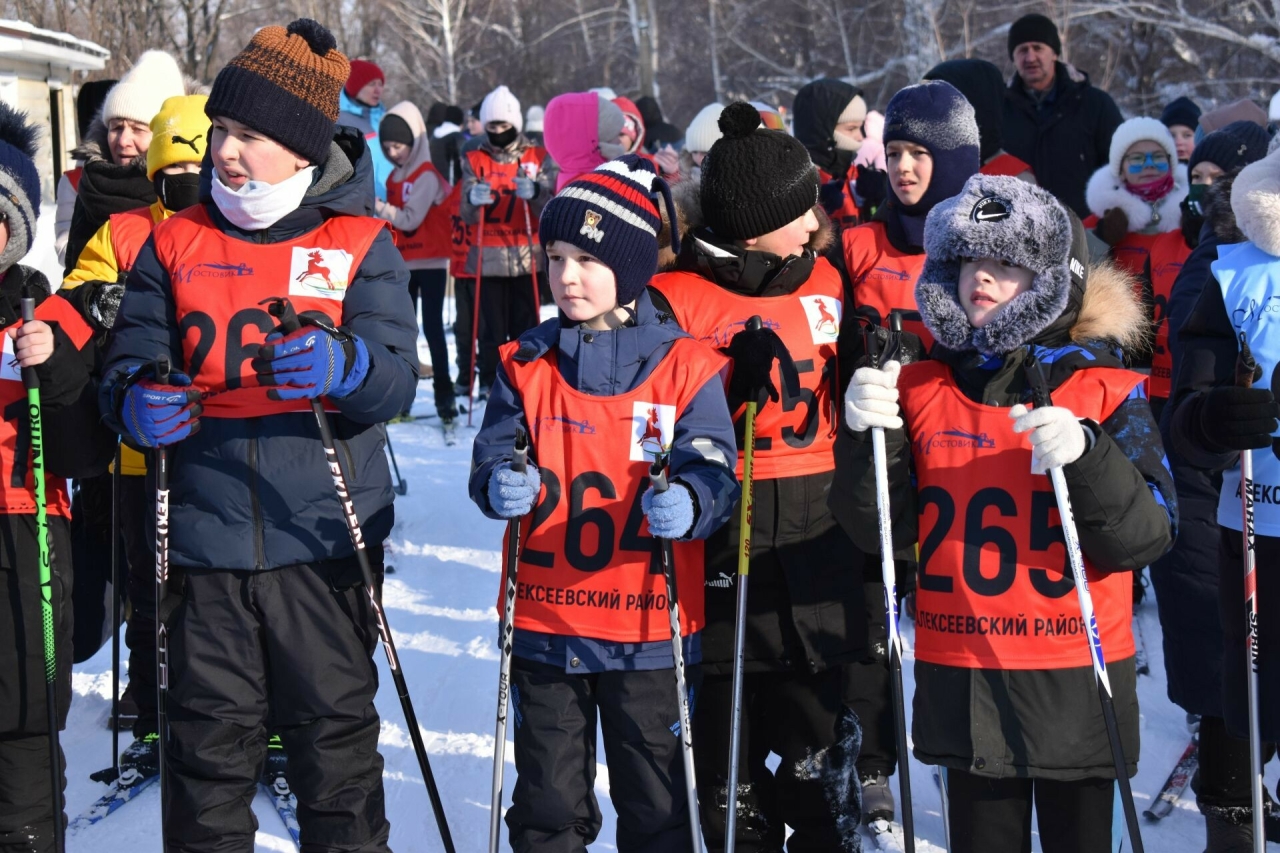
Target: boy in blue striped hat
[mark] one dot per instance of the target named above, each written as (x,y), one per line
(602,391)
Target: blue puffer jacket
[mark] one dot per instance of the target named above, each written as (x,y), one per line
(255,493)
(367,120)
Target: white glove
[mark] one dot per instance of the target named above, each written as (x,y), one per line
(1057,436)
(480,195)
(526,188)
(872,398)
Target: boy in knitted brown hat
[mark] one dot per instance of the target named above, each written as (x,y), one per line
(757,254)
(268,623)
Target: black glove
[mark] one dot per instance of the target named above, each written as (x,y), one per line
(903,347)
(831,194)
(871,187)
(1235,418)
(1112,227)
(1192,222)
(753,352)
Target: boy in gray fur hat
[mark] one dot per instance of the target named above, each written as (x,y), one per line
(1009,299)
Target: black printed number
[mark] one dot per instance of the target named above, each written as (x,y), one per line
(235,351)
(590,524)
(984,528)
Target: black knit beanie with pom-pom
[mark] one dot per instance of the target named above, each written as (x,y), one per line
(754,180)
(285,84)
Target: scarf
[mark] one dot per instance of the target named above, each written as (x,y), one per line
(1152,191)
(258,205)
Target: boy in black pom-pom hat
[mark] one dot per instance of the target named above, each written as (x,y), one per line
(74,445)
(270,624)
(752,249)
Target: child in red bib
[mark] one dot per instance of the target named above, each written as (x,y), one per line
(602,391)
(1007,296)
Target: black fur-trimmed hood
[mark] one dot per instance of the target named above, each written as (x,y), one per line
(1218,212)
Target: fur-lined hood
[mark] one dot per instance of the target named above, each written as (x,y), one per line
(689,209)
(1255,200)
(1106,191)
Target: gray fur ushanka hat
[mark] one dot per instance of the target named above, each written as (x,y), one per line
(1006,218)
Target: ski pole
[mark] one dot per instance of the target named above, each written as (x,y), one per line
(1090,620)
(518,461)
(1245,370)
(740,619)
(889,575)
(533,265)
(475,318)
(401,486)
(282,309)
(161,463)
(115,613)
(31,381)
(658,477)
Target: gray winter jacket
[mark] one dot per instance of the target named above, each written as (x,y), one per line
(506,259)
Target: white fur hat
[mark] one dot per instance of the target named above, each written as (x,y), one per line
(501,105)
(1140,129)
(152,80)
(704,130)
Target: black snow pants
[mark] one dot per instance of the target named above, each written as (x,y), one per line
(26,792)
(290,650)
(801,718)
(869,693)
(137,507)
(994,815)
(555,713)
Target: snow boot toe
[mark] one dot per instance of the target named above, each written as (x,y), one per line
(877,798)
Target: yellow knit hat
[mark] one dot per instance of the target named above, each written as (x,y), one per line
(179,133)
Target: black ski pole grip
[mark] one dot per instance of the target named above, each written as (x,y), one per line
(282,309)
(162,370)
(520,456)
(895,320)
(30,379)
(658,475)
(1247,371)
(755,324)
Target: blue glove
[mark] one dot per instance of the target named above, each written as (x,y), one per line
(156,415)
(511,493)
(526,188)
(670,513)
(311,362)
(480,195)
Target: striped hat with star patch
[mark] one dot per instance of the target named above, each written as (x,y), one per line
(612,213)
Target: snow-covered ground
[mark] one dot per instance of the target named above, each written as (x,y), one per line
(440,604)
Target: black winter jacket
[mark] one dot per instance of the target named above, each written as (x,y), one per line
(1066,138)
(1209,352)
(805,602)
(1186,579)
(1033,723)
(255,493)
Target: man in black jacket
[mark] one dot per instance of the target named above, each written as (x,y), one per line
(1053,118)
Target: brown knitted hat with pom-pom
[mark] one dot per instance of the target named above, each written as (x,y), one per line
(754,180)
(285,84)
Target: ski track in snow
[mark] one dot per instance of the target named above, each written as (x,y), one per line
(441,606)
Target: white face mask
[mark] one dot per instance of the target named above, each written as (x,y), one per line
(258,205)
(845,142)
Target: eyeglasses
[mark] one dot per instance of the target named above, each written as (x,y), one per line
(1152,159)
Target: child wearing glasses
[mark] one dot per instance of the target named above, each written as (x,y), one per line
(1134,199)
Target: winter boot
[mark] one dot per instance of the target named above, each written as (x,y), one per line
(141,758)
(1228,830)
(877,798)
